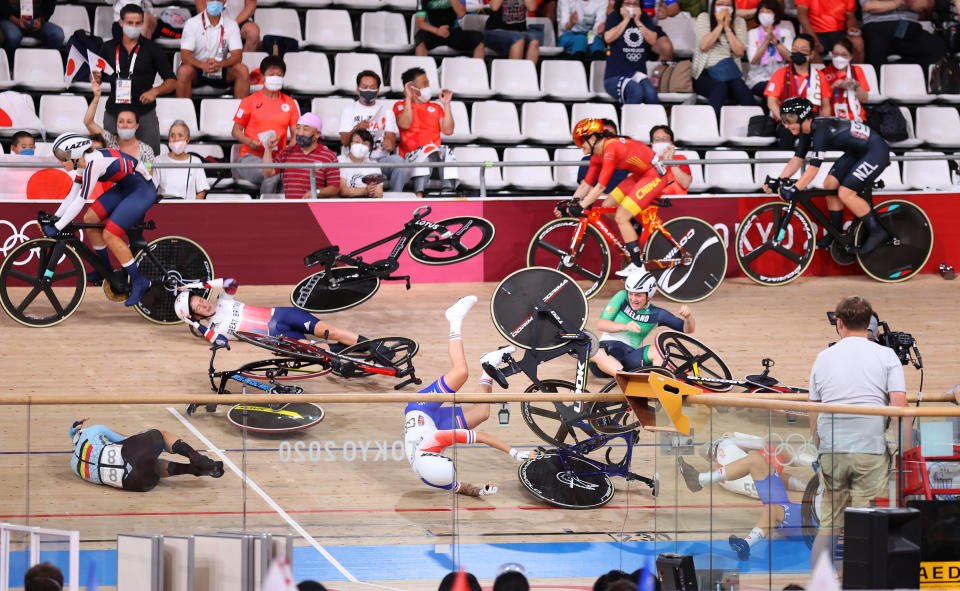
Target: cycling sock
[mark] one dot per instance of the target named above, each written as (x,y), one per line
(176,469)
(715,476)
(836,219)
(182,448)
(636,257)
(456,313)
(103,254)
(755,536)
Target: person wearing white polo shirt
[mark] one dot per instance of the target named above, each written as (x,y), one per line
(210,53)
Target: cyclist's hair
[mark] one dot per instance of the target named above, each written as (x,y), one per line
(98,137)
(773,5)
(411,75)
(130,9)
(511,581)
(664,128)
(180,122)
(370,74)
(43,577)
(365,136)
(609,123)
(447,582)
(845,43)
(855,312)
(136,118)
(20,135)
(807,38)
(272,61)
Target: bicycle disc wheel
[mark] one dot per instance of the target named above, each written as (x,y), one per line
(588,264)
(391,352)
(283,346)
(315,294)
(571,485)
(28,297)
(458,239)
(169,262)
(283,370)
(550,420)
(766,260)
(702,277)
(514,299)
(689,358)
(892,263)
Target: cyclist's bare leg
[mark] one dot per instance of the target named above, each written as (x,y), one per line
(94,234)
(607,363)
(624,218)
(834,210)
(332,333)
(457,375)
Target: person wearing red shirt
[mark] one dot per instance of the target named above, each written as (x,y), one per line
(679,176)
(308,149)
(829,20)
(844,85)
(421,122)
(792,80)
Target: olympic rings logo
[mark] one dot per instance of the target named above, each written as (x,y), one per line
(18,237)
(796,449)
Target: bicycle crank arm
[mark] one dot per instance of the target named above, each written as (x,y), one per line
(405,278)
(411,380)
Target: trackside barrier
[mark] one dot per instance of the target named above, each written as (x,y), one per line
(36,535)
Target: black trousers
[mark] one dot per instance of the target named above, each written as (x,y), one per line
(916,46)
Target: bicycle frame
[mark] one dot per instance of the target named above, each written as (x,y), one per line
(651,222)
(805,199)
(622,468)
(226,376)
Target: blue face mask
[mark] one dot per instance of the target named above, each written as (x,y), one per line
(214,8)
(27,152)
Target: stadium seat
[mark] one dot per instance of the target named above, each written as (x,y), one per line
(251,59)
(515,79)
(688,98)
(549,45)
(545,123)
(442,50)
(597,70)
(939,126)
(461,125)
(61,113)
(401,63)
(70,18)
(638,119)
(308,72)
(328,108)
(496,121)
(216,117)
(817,182)
(679,29)
(330,29)
(730,178)
(567,175)
(5,81)
(228,197)
(384,32)
(103,22)
(38,69)
(470,177)
(761,170)
(205,90)
(528,177)
(402,4)
(698,185)
(564,79)
(695,124)
(904,83)
(171,109)
(912,140)
(942,97)
(891,178)
(279,21)
(923,175)
(297,3)
(595,110)
(873,95)
(465,76)
(43,149)
(475,22)
(733,126)
(346,66)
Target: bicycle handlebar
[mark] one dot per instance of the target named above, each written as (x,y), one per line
(776,183)
(419,216)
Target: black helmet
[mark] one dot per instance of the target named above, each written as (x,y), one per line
(797,108)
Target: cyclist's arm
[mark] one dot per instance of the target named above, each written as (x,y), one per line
(807,177)
(208,333)
(229,285)
(605,325)
(111,435)
(606,322)
(792,167)
(592,195)
(497,443)
(70,207)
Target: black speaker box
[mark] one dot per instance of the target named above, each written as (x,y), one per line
(676,572)
(881,548)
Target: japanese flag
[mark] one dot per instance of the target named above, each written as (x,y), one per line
(279,577)
(98,64)
(74,61)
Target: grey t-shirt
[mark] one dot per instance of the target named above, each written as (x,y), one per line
(897,14)
(854,371)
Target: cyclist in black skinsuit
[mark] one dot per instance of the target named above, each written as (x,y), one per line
(865,156)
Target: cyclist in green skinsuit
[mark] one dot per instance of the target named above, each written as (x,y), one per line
(626,321)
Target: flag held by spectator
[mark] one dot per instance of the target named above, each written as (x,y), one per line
(97,63)
(17,112)
(75,59)
(279,577)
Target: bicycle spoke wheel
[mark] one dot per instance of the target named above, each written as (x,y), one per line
(769,259)
(587,262)
(702,277)
(810,510)
(689,358)
(513,304)
(282,370)
(547,419)
(168,263)
(456,240)
(316,294)
(394,353)
(284,346)
(571,483)
(33,297)
(903,258)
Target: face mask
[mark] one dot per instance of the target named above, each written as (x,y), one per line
(721,9)
(798,58)
(425,93)
(766,19)
(214,8)
(178,147)
(368,96)
(26,152)
(360,151)
(132,32)
(304,141)
(126,133)
(841,63)
(630,11)
(273,82)
(660,147)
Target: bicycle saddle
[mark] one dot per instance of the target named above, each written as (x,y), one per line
(762,379)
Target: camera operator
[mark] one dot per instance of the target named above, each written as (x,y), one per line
(853,448)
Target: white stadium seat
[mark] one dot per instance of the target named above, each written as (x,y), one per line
(638,119)
(939,126)
(593,110)
(924,175)
(549,46)
(401,63)
(38,69)
(695,124)
(384,32)
(5,81)
(171,109)
(904,83)
(465,76)
(698,185)
(330,29)
(461,125)
(63,113)
(564,79)
(817,182)
(873,95)
(70,18)
(598,69)
(567,175)
(346,66)
(103,22)
(734,121)
(216,117)
(308,72)
(328,108)
(891,178)
(912,140)
(680,31)
(528,177)
(731,178)
(761,170)
(279,21)
(470,177)
(496,121)
(545,122)
(514,79)
(251,59)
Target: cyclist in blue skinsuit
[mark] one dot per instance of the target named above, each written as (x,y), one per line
(102,456)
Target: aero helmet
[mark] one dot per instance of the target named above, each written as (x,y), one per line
(641,282)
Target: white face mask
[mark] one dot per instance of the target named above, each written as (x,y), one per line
(765,18)
(660,148)
(360,151)
(132,32)
(178,147)
(841,63)
(273,82)
(720,9)
(126,133)
(425,93)
(630,11)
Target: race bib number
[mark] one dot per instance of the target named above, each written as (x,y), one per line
(859,130)
(111,466)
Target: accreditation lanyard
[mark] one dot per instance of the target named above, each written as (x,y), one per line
(203,17)
(124,92)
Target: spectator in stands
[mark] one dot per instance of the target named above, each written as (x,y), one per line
(892,27)
(210,52)
(747,9)
(128,123)
(15,24)
(506,30)
(618,175)
(241,12)
(830,20)
(768,46)
(446,583)
(359,182)
(721,41)
(149,21)
(844,86)
(661,9)
(582,24)
(43,577)
(23,143)
(308,149)
(661,141)
(310,586)
(421,122)
(135,90)
(609,578)
(694,7)
(794,79)
(180,183)
(376,117)
(438,24)
(267,111)
(631,34)
(511,580)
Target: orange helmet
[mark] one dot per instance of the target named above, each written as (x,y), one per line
(584,128)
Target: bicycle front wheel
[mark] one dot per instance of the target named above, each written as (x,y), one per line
(319,295)
(169,262)
(547,419)
(687,358)
(586,262)
(904,257)
(33,296)
(702,277)
(769,259)
(574,483)
(457,239)
(395,353)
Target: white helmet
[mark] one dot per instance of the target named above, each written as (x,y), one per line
(181,305)
(641,282)
(71,146)
(436,470)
